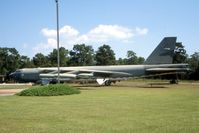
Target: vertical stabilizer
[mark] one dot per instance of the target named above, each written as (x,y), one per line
(163,53)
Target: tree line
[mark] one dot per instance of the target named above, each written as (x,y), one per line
(84,55)
(80,55)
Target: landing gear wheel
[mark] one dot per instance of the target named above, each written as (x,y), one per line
(174,81)
(107,82)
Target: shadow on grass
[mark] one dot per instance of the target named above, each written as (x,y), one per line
(152,86)
(141,86)
(96,86)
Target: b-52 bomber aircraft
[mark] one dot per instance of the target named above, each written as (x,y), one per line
(159,62)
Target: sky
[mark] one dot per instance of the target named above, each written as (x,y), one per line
(137,25)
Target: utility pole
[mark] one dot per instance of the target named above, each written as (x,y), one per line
(58,58)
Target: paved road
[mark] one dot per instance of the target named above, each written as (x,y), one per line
(9,92)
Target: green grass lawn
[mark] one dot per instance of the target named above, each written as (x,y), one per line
(119,108)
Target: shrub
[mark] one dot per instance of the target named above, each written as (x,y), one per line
(49,90)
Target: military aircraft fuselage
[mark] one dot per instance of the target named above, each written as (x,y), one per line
(26,75)
(159,61)
(116,71)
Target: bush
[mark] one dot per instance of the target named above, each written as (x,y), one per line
(49,90)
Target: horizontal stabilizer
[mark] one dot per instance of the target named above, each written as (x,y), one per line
(166,69)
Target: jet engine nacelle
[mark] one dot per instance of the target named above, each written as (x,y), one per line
(85,75)
(64,75)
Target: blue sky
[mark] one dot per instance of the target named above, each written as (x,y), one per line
(138,25)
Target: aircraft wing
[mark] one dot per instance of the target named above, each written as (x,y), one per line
(82,73)
(104,74)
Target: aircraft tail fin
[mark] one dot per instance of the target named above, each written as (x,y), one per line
(163,53)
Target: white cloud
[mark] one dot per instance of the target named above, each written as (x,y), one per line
(98,35)
(49,33)
(112,31)
(68,31)
(52,42)
(140,31)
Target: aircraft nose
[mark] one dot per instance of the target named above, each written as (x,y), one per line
(14,75)
(11,75)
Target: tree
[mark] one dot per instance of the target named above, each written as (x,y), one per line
(41,60)
(25,62)
(63,54)
(81,55)
(121,61)
(140,60)
(194,65)
(131,59)
(9,60)
(105,56)
(180,55)
(194,61)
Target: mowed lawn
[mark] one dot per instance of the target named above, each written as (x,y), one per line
(120,108)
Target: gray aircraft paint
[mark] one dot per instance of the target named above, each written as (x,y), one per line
(163,53)
(158,62)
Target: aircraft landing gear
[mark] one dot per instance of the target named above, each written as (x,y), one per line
(107,83)
(174,81)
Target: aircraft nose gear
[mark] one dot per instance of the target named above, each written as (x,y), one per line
(106,82)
